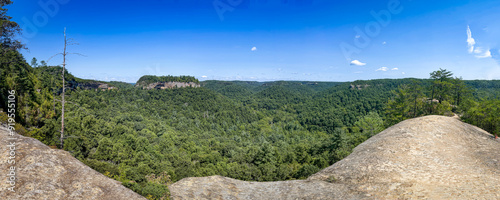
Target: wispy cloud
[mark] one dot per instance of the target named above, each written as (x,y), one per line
(470,41)
(204,76)
(384,42)
(254,48)
(395,69)
(478,52)
(357,63)
(486,54)
(382,69)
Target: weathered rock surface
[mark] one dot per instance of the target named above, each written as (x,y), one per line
(95,85)
(45,173)
(218,187)
(432,157)
(168,85)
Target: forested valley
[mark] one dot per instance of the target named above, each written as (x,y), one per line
(148,139)
(258,131)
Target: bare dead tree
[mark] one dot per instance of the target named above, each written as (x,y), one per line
(67,42)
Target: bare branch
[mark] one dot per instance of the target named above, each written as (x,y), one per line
(54,56)
(79,54)
(71,41)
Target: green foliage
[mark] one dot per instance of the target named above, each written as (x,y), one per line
(443,95)
(149,190)
(32,101)
(121,85)
(8,31)
(148,79)
(370,124)
(485,114)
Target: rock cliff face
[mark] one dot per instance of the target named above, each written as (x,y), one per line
(44,173)
(359,87)
(169,85)
(432,157)
(96,85)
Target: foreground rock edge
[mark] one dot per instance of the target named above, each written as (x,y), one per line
(45,173)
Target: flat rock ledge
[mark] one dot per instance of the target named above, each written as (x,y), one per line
(45,173)
(431,157)
(218,187)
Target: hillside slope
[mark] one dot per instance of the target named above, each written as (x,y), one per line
(431,157)
(45,173)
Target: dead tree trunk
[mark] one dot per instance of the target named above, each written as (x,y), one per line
(67,42)
(63,89)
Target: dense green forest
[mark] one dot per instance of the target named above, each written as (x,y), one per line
(259,131)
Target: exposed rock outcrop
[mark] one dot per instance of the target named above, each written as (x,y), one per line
(89,85)
(169,85)
(359,87)
(96,85)
(218,187)
(432,157)
(45,173)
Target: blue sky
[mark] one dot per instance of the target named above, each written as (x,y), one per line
(263,40)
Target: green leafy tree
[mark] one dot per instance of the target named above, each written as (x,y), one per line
(34,62)
(8,30)
(370,124)
(441,87)
(398,108)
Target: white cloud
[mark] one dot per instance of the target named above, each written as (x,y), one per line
(358,63)
(254,48)
(478,50)
(403,73)
(470,41)
(204,76)
(384,42)
(382,69)
(358,36)
(486,54)
(395,69)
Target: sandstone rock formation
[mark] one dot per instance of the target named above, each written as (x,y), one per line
(95,85)
(432,157)
(45,173)
(218,187)
(168,85)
